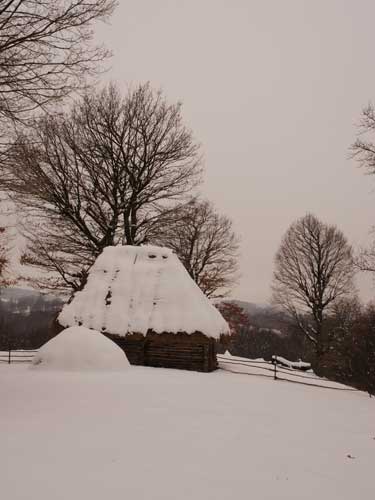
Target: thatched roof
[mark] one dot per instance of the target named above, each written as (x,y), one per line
(137,289)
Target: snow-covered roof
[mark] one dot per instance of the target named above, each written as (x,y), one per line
(136,289)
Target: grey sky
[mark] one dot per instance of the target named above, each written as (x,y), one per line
(272,90)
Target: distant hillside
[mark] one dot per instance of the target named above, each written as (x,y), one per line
(262,315)
(26,317)
(23,298)
(15,293)
(251,307)
(260,331)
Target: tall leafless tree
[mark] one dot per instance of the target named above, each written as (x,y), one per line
(46,51)
(98,175)
(313,270)
(363,151)
(205,243)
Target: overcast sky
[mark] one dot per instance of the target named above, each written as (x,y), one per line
(273,90)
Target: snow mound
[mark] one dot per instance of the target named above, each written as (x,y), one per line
(136,289)
(300,365)
(78,348)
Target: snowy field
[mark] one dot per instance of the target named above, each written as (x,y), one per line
(156,434)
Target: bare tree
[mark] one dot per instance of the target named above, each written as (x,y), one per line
(363,151)
(7,243)
(3,256)
(46,52)
(99,175)
(205,243)
(365,260)
(313,270)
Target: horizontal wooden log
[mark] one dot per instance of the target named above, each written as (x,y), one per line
(171,348)
(181,351)
(175,351)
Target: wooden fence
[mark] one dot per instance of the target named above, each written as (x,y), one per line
(17,356)
(277,370)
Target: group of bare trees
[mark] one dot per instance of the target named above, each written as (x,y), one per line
(115,169)
(98,174)
(46,53)
(313,279)
(120,167)
(109,167)
(351,354)
(313,285)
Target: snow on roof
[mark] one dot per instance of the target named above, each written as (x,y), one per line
(78,348)
(134,289)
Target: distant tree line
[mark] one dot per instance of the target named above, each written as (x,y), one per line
(111,170)
(26,322)
(350,347)
(262,335)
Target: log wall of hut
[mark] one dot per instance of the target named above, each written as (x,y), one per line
(169,350)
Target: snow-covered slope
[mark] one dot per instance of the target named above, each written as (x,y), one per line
(78,348)
(173,435)
(134,289)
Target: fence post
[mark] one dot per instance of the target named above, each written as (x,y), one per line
(9,355)
(274,367)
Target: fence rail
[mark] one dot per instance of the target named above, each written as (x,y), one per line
(17,356)
(277,371)
(274,369)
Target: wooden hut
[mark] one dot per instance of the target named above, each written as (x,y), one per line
(145,301)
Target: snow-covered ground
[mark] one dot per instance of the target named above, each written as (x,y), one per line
(155,434)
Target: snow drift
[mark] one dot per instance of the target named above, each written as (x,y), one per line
(78,348)
(137,289)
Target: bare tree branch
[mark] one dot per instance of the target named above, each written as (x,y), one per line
(46,52)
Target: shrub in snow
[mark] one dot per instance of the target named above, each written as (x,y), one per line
(78,348)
